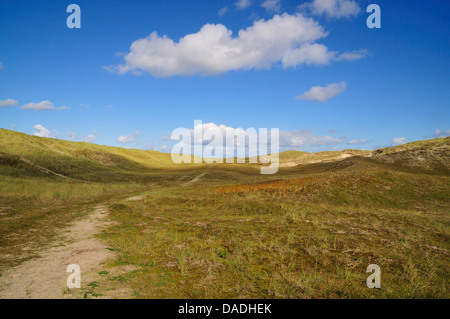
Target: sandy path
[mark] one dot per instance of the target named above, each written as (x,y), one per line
(46,276)
(135,198)
(194,180)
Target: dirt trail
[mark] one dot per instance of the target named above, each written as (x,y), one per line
(194,180)
(135,198)
(46,276)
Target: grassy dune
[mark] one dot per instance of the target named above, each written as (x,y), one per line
(310,231)
(312,236)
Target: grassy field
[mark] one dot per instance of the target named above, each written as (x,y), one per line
(309,231)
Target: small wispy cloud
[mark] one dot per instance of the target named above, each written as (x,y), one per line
(332,8)
(222,11)
(71,136)
(306,137)
(128,139)
(352,55)
(322,94)
(357,142)
(243,4)
(438,133)
(398,141)
(91,138)
(272,6)
(8,103)
(1,66)
(43,106)
(41,131)
(288,140)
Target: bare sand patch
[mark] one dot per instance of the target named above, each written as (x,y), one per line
(45,277)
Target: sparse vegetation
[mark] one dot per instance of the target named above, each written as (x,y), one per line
(309,231)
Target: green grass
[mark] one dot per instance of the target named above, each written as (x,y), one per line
(274,241)
(32,212)
(310,231)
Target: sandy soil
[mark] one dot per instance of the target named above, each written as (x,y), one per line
(135,198)
(194,180)
(46,276)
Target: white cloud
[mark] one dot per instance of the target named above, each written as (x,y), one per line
(91,137)
(296,139)
(289,39)
(71,136)
(318,54)
(272,5)
(8,103)
(398,140)
(205,126)
(333,8)
(243,4)
(302,138)
(130,138)
(322,94)
(308,54)
(1,65)
(43,106)
(41,131)
(222,11)
(204,134)
(352,55)
(357,142)
(109,106)
(438,133)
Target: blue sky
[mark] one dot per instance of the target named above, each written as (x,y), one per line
(374,87)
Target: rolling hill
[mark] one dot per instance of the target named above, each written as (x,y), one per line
(225,230)
(25,155)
